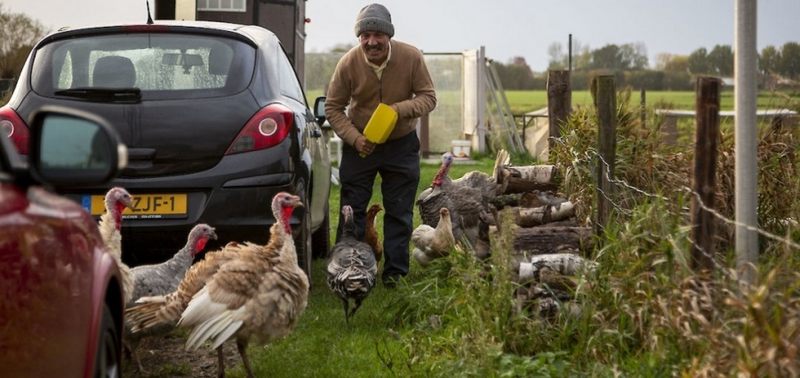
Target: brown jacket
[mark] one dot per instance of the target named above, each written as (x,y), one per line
(405,83)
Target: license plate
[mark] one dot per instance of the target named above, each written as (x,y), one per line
(145,206)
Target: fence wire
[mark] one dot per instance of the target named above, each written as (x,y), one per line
(719,216)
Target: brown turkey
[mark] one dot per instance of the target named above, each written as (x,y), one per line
(164,278)
(352,267)
(259,296)
(160,310)
(110,224)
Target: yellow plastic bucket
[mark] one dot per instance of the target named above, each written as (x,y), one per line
(381,124)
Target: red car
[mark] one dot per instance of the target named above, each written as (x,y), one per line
(61,309)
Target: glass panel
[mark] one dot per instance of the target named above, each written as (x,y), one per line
(289,84)
(158,64)
(239,5)
(213,4)
(72,143)
(225,4)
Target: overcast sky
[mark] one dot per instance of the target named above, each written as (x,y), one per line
(506,27)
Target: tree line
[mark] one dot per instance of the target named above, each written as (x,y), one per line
(629,63)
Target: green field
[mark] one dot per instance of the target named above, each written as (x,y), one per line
(526,101)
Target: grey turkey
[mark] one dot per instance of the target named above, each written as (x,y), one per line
(352,267)
(162,279)
(467,198)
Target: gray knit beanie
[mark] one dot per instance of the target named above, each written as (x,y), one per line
(374,17)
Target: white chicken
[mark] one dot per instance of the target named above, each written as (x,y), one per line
(431,243)
(116,200)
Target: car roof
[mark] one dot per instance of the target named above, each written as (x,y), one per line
(252,33)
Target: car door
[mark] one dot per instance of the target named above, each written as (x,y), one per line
(46,280)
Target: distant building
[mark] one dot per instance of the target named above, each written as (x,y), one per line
(285,18)
(728,81)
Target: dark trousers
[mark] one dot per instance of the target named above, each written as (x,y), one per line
(397,161)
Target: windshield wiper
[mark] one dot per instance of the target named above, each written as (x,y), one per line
(121,95)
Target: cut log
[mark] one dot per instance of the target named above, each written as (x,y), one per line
(526,178)
(543,240)
(506,200)
(529,217)
(561,263)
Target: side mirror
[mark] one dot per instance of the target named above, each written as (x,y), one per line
(73,148)
(319,110)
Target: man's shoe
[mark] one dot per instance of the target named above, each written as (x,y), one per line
(390,282)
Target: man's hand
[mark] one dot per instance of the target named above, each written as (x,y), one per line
(363,146)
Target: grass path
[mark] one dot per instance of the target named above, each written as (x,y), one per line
(323,345)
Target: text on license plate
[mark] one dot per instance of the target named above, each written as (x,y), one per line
(143,206)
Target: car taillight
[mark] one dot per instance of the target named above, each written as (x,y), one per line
(268,127)
(12,126)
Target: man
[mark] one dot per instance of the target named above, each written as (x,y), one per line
(380,70)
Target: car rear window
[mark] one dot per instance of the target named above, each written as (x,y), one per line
(161,65)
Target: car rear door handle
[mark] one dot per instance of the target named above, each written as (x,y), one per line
(141,153)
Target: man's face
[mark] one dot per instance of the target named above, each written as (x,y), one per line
(375,45)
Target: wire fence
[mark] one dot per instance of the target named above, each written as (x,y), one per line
(648,171)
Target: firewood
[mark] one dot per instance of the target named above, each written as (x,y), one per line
(544,240)
(561,263)
(529,217)
(526,178)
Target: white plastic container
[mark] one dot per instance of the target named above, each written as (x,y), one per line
(461,148)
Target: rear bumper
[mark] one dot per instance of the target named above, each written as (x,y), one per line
(234,196)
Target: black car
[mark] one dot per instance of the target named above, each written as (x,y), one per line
(215,122)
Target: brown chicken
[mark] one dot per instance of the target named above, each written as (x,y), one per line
(371,234)
(431,243)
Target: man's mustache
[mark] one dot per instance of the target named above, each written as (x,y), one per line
(374,47)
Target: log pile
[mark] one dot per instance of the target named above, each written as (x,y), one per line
(540,239)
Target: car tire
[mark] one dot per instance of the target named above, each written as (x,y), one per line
(302,233)
(320,240)
(107,355)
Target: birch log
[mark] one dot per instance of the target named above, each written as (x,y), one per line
(526,178)
(529,217)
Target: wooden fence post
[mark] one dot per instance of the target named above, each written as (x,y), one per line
(705,167)
(424,135)
(605,101)
(559,102)
(643,109)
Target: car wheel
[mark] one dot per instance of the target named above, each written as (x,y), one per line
(302,233)
(321,238)
(106,360)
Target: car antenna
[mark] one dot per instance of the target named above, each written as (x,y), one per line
(149,19)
